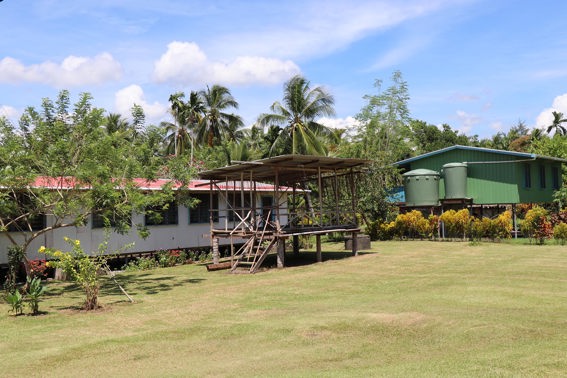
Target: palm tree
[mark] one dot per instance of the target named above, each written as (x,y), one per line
(216,125)
(557,124)
(186,116)
(115,123)
(299,133)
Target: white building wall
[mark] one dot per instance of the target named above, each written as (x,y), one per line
(182,235)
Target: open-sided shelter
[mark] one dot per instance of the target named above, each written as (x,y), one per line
(313,195)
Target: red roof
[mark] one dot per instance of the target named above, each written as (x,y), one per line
(144,184)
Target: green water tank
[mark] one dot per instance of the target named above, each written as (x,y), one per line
(421,187)
(455,175)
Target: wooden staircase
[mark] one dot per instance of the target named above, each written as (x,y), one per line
(253,253)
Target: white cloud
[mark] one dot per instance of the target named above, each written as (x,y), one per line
(125,98)
(467,121)
(186,63)
(318,27)
(8,112)
(339,123)
(497,126)
(545,118)
(72,71)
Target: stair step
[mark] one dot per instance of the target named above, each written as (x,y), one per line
(246,263)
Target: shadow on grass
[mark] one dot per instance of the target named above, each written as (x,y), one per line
(134,284)
(145,283)
(307,258)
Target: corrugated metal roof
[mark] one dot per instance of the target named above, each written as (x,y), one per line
(290,168)
(66,183)
(523,155)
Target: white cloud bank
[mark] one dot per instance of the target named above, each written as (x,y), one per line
(339,123)
(545,118)
(8,112)
(72,71)
(125,98)
(467,121)
(186,63)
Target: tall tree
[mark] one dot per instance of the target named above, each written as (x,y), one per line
(217,125)
(381,137)
(297,115)
(556,125)
(187,116)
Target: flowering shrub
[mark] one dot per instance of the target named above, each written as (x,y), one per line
(501,227)
(479,228)
(456,223)
(536,224)
(412,225)
(560,233)
(378,230)
(38,268)
(81,268)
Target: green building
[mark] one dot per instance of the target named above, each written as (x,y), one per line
(481,176)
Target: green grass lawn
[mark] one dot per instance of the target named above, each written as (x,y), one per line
(404,309)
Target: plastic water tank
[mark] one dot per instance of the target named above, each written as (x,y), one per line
(421,187)
(455,175)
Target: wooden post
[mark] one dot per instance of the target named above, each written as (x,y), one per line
(318,243)
(296,245)
(354,244)
(514,221)
(215,250)
(281,252)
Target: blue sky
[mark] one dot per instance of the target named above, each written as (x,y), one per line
(478,65)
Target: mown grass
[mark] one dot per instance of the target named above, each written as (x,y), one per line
(403,309)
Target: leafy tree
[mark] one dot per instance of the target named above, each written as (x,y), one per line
(217,125)
(68,151)
(295,117)
(428,138)
(381,137)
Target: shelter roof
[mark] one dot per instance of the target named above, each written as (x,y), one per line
(289,168)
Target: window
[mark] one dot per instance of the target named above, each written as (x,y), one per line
(542,176)
(555,178)
(268,208)
(116,220)
(36,222)
(23,205)
(527,176)
(200,212)
(235,207)
(162,216)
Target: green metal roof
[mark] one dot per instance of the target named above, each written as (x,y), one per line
(523,155)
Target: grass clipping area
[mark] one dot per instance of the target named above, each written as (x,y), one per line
(403,309)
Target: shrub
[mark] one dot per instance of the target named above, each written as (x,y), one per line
(143,263)
(479,228)
(38,268)
(34,291)
(16,300)
(536,225)
(501,227)
(15,256)
(82,268)
(456,223)
(378,230)
(560,233)
(411,224)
